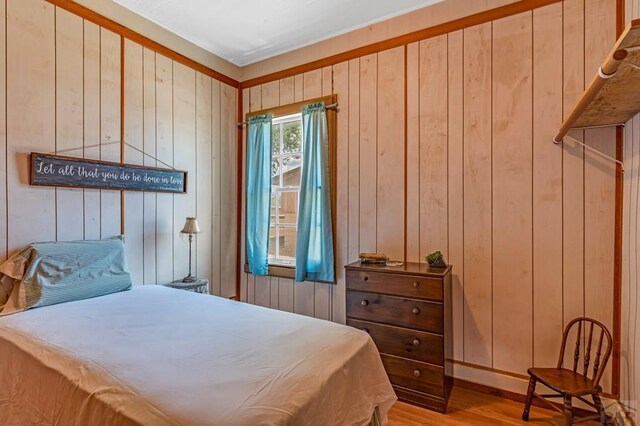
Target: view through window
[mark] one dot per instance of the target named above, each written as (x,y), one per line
(286,165)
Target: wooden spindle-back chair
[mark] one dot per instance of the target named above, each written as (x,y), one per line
(579,381)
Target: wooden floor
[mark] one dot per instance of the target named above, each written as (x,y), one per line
(468,407)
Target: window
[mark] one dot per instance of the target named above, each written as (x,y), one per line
(286,168)
(286,165)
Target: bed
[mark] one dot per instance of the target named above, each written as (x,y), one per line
(159,356)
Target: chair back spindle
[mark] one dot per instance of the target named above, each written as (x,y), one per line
(602,351)
(596,362)
(587,352)
(576,353)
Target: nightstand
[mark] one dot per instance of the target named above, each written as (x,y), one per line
(200,285)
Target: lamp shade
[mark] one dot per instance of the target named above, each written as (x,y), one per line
(191,226)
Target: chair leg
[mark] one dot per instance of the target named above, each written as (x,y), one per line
(527,404)
(568,411)
(598,403)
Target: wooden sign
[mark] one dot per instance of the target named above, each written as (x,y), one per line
(56,170)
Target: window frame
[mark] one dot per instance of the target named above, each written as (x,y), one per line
(281,155)
(284,271)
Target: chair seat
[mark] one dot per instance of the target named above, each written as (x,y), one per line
(565,381)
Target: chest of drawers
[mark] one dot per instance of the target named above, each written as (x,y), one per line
(406,311)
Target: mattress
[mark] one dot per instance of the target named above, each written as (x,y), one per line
(159,356)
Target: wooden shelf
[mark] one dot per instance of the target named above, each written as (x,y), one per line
(613,96)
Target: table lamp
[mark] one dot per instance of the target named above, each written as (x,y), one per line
(190,228)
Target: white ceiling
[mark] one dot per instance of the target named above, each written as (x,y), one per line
(247,31)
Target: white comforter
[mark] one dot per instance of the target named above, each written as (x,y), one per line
(158,356)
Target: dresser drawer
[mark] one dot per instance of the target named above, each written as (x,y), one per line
(413,344)
(401,285)
(423,315)
(415,375)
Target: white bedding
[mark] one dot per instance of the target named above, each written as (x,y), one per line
(158,356)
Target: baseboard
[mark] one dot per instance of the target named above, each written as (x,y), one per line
(513,396)
(514,387)
(618,414)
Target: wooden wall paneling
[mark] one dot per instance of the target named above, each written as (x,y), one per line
(341,88)
(353,245)
(30,119)
(286,90)
(91,124)
(634,283)
(547,185)
(629,266)
(286,285)
(149,144)
(368,154)
(270,94)
(110,110)
(184,156)
(286,294)
(298,92)
(134,135)
(244,277)
(599,182)
(456,189)
(269,97)
(69,112)
(327,81)
(390,196)
(312,84)
(204,172)
(3,134)
(512,193)
(412,164)
(477,195)
(274,296)
(216,189)
(255,99)
(228,160)
(165,227)
(573,165)
(631,354)
(634,255)
(433,149)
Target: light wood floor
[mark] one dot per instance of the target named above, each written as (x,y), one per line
(468,407)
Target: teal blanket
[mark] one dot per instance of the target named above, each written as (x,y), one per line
(44,274)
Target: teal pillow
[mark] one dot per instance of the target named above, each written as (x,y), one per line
(65,271)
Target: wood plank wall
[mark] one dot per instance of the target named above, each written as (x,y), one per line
(528,226)
(630,336)
(64,87)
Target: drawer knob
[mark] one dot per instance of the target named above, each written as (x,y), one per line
(416,311)
(417,373)
(416,284)
(364,303)
(416,342)
(365,278)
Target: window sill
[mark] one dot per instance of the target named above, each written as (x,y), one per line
(279,271)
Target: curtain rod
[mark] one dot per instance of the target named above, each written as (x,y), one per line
(332,106)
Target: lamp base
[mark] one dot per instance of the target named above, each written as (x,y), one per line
(189,279)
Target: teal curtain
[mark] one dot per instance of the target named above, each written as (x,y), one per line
(258,193)
(314,244)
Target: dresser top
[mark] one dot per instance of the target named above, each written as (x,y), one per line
(407,268)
